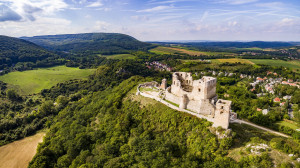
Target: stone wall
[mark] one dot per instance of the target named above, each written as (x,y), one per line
(183,83)
(174,107)
(222,113)
(195,97)
(171,97)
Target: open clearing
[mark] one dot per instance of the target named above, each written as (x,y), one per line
(289,64)
(233,60)
(171,50)
(163,50)
(33,81)
(291,125)
(19,153)
(119,56)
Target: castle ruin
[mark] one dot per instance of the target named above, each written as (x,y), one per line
(197,97)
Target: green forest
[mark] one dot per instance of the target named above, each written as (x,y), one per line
(98,121)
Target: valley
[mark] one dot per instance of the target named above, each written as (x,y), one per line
(33,81)
(149,84)
(87,102)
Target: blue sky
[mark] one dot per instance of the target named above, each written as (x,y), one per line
(149,20)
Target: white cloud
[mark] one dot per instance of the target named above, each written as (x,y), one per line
(236,2)
(101,26)
(232,23)
(42,26)
(104,9)
(140,18)
(95,4)
(6,14)
(169,1)
(29,9)
(156,9)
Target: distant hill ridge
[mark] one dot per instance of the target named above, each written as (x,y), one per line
(102,43)
(14,50)
(232,44)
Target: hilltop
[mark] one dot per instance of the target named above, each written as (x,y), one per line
(233,44)
(100,43)
(14,50)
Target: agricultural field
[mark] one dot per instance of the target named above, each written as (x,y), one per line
(33,81)
(172,50)
(295,65)
(232,60)
(20,153)
(119,56)
(163,50)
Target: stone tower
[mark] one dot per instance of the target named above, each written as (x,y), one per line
(222,113)
(164,84)
(183,101)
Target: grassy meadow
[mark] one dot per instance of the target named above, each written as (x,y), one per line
(232,60)
(172,50)
(119,56)
(295,65)
(33,81)
(163,50)
(292,125)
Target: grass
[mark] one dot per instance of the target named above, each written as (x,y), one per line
(20,153)
(119,56)
(287,124)
(172,103)
(244,133)
(33,81)
(277,156)
(172,50)
(232,60)
(147,89)
(163,50)
(295,65)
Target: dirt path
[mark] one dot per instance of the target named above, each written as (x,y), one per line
(262,128)
(18,154)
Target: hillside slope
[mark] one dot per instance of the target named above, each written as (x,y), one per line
(111,129)
(14,50)
(100,43)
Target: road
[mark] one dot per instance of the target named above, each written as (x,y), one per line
(260,127)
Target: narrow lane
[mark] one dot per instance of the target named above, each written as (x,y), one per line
(260,127)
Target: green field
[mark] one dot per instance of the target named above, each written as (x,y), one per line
(119,56)
(172,50)
(288,124)
(289,64)
(163,50)
(232,60)
(33,81)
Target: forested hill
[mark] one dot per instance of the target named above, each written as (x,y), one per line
(14,50)
(99,43)
(228,44)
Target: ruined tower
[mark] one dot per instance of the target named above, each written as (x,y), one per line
(222,113)
(183,101)
(163,84)
(198,96)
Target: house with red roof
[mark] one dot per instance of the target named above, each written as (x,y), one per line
(277,99)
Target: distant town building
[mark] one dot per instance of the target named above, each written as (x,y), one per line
(265,111)
(287,97)
(277,99)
